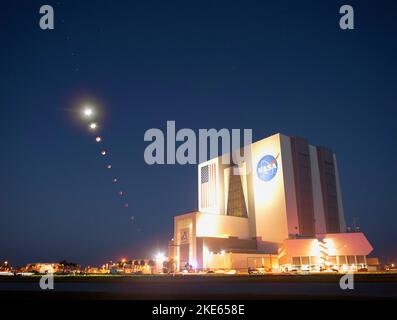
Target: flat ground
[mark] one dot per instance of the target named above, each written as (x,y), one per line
(225,287)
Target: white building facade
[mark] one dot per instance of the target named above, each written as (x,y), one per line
(282,191)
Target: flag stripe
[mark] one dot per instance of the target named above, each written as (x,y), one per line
(208,186)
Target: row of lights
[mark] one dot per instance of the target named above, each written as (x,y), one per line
(159,258)
(88,113)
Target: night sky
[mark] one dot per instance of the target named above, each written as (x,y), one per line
(273,66)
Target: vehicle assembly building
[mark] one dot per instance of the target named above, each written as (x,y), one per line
(279,208)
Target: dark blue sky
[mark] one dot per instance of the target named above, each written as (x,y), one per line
(271,66)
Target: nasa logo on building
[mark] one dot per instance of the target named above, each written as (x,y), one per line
(267,167)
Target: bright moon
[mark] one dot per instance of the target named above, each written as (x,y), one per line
(88,112)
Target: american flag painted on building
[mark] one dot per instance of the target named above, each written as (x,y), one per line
(208,185)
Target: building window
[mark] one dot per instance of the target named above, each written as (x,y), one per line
(342,260)
(351,260)
(360,259)
(332,260)
(296,261)
(314,260)
(236,203)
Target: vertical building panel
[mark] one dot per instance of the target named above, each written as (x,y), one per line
(303,185)
(236,204)
(342,222)
(318,204)
(268,188)
(289,187)
(328,188)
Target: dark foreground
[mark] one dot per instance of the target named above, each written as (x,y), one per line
(324,286)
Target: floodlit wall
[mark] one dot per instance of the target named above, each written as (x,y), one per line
(345,244)
(291,191)
(240,261)
(272,188)
(243,261)
(212,225)
(326,246)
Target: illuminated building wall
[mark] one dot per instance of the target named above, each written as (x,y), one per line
(291,189)
(339,251)
(285,189)
(274,211)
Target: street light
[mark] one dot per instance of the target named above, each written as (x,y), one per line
(160,257)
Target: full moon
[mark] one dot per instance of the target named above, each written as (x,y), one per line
(88,112)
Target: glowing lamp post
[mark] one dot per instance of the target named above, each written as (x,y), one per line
(160,258)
